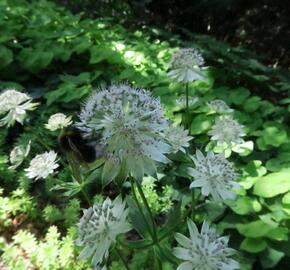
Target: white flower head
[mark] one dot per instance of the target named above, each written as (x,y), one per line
(42,165)
(178,138)
(18,154)
(204,250)
(130,124)
(13,105)
(227,130)
(58,121)
(99,227)
(214,175)
(219,106)
(186,65)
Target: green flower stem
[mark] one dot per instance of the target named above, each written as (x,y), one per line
(75,167)
(155,237)
(122,258)
(187,96)
(193,204)
(153,233)
(139,207)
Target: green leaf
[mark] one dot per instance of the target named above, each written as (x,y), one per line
(243,206)
(254,229)
(253,245)
(201,123)
(273,184)
(35,59)
(286,198)
(271,257)
(274,134)
(110,171)
(137,219)
(172,221)
(6,56)
(279,234)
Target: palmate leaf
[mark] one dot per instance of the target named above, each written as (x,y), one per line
(70,188)
(172,222)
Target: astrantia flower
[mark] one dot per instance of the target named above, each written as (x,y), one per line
(227,130)
(42,165)
(99,227)
(186,65)
(219,106)
(130,124)
(214,175)
(204,250)
(18,154)
(178,138)
(58,121)
(14,105)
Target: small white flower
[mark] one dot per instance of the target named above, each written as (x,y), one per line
(58,121)
(204,250)
(99,227)
(219,106)
(186,65)
(14,105)
(178,138)
(18,154)
(42,165)
(215,175)
(227,130)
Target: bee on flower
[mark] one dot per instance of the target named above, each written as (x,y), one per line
(129,124)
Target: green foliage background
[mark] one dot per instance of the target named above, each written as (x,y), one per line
(58,58)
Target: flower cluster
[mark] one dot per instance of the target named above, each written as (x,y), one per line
(219,106)
(204,250)
(227,130)
(99,227)
(130,124)
(58,121)
(42,165)
(215,175)
(18,154)
(186,65)
(13,105)
(178,138)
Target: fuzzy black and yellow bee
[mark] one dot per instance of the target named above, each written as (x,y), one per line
(84,150)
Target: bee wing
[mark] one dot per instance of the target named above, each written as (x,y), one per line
(74,148)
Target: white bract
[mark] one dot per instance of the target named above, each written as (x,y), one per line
(227,130)
(204,250)
(178,138)
(99,227)
(219,106)
(214,175)
(58,121)
(129,123)
(13,105)
(42,165)
(186,65)
(18,154)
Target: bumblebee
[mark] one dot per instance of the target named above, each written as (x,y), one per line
(84,150)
